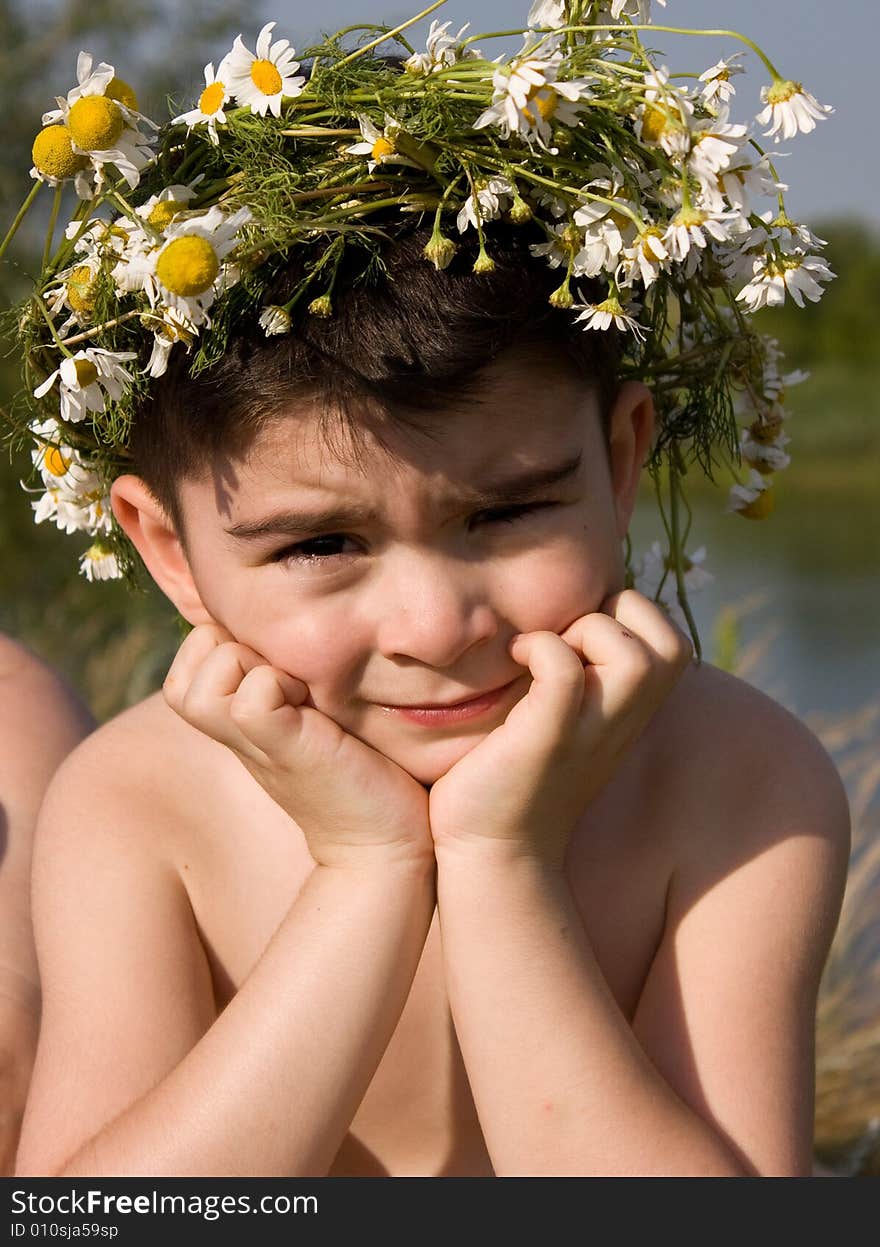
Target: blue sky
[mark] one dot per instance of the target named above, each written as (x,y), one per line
(831,48)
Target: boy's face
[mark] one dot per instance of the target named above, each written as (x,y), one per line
(414,604)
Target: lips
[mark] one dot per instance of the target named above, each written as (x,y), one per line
(450,714)
(445,705)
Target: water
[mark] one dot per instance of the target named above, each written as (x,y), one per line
(812,572)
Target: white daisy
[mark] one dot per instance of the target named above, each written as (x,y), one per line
(765,456)
(160,210)
(187,271)
(171,328)
(380,145)
(102,119)
(263,80)
(639,11)
(209,110)
(274,320)
(99,563)
(693,228)
(83,379)
(443,50)
(790,110)
(528,97)
(609,312)
(714,144)
(740,182)
(608,228)
(754,500)
(547,15)
(75,290)
(645,259)
(664,118)
(718,89)
(654,577)
(487,203)
(561,247)
(56,161)
(774,276)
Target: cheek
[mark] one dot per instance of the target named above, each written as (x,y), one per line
(319,644)
(555,586)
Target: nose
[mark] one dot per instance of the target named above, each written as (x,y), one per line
(432,609)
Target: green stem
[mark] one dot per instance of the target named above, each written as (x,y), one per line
(683,30)
(45,311)
(389,34)
(93,333)
(53,220)
(675,466)
(22,212)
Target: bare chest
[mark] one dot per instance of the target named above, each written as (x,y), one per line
(244,869)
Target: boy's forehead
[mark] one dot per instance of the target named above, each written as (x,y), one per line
(515,417)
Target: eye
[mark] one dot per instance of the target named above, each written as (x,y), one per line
(507,515)
(315,550)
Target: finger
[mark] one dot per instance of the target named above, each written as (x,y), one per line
(637,613)
(192,653)
(619,665)
(205,704)
(557,688)
(266,709)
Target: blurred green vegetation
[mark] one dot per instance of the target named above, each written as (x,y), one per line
(113,645)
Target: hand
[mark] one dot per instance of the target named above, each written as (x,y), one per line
(523,787)
(353,805)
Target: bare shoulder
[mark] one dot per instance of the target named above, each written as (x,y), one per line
(144,772)
(738,752)
(762,840)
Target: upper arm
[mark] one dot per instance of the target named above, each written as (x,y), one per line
(41,721)
(126,987)
(727,1014)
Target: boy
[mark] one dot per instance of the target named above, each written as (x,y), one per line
(436,855)
(41,720)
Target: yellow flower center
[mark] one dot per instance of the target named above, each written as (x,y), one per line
(86,373)
(761,507)
(211,99)
(383,147)
(164,212)
(53,153)
(188,266)
(81,290)
(645,241)
(543,99)
(55,462)
(782,91)
(266,77)
(95,123)
(654,123)
(116,89)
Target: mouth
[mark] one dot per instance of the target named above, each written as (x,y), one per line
(451,712)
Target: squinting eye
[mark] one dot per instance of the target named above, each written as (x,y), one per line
(507,515)
(312,551)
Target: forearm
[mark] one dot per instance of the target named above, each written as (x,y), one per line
(272,1086)
(561,1085)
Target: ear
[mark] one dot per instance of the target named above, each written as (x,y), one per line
(630,434)
(150,530)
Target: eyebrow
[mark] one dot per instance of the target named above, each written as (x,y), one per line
(506,490)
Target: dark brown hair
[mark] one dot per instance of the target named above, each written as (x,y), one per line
(405,341)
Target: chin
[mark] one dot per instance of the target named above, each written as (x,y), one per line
(431,761)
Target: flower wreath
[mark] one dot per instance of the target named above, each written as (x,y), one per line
(634,177)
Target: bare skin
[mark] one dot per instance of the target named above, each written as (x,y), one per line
(277,993)
(41,720)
